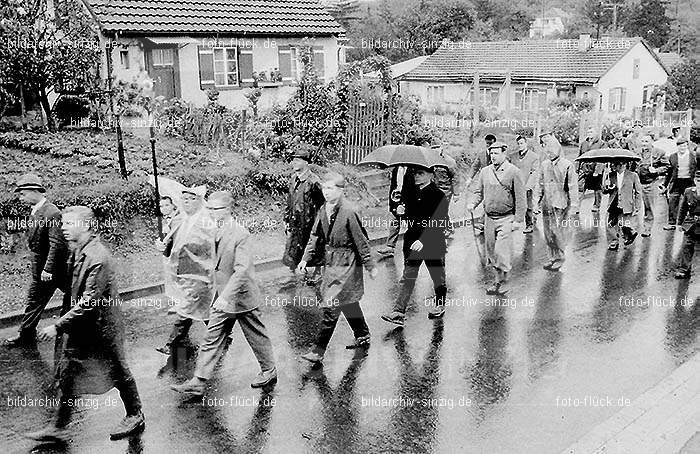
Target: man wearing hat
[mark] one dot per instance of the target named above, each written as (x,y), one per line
(682,167)
(689,222)
(236,299)
(49,256)
(482,160)
(502,191)
(303,202)
(340,245)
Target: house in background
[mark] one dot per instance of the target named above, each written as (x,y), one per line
(548,24)
(190,46)
(401,68)
(618,74)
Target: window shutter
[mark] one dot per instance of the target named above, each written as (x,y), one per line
(245,64)
(319,63)
(284,55)
(623,94)
(206,67)
(611,95)
(519,99)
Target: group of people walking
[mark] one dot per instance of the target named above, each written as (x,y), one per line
(208,255)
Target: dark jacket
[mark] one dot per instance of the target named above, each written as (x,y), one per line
(627,197)
(93,329)
(304,200)
(342,247)
(408,189)
(47,244)
(689,212)
(427,218)
(651,159)
(672,174)
(589,168)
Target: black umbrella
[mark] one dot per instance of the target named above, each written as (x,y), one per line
(608,155)
(406,155)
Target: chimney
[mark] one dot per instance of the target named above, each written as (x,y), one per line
(584,43)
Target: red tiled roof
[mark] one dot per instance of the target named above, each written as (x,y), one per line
(528,60)
(207,17)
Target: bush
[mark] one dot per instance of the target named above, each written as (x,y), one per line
(70,110)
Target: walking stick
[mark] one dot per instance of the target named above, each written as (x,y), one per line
(476,241)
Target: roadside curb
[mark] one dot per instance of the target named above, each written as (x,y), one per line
(140,291)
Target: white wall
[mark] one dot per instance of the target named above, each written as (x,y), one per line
(620,75)
(265,57)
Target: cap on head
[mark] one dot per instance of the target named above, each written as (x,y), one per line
(681,140)
(302,154)
(30,181)
(220,199)
(195,190)
(335,178)
(490,137)
(546,132)
(498,145)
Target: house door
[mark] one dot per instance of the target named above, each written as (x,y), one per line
(162,68)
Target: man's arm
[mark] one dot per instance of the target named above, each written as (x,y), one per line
(361,242)
(243,261)
(56,242)
(520,197)
(532,177)
(572,183)
(314,247)
(684,207)
(478,196)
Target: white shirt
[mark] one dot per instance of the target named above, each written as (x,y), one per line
(620,176)
(683,165)
(329,211)
(38,205)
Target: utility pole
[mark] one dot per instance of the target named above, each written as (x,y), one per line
(613,6)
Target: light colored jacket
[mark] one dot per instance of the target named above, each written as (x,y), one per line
(234,270)
(502,191)
(629,194)
(558,184)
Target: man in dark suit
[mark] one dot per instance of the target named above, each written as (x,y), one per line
(682,167)
(689,222)
(237,299)
(92,359)
(401,192)
(49,255)
(424,241)
(624,191)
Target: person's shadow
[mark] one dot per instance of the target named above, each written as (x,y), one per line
(544,331)
(682,324)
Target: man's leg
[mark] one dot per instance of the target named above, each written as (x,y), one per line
(394,229)
(436,268)
(490,241)
(406,284)
(529,216)
(356,319)
(503,247)
(256,334)
(686,256)
(613,229)
(648,199)
(673,199)
(38,297)
(214,346)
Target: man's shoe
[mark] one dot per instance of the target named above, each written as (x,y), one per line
(631,239)
(682,275)
(19,341)
(128,426)
(397,318)
(497,288)
(595,209)
(360,342)
(669,227)
(436,312)
(165,349)
(646,234)
(554,265)
(528,229)
(265,378)
(51,434)
(613,246)
(313,357)
(192,387)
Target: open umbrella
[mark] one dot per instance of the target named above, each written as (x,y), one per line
(608,155)
(405,155)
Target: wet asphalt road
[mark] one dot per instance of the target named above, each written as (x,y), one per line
(487,378)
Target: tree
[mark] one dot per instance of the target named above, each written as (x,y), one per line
(45,50)
(682,90)
(648,20)
(343,11)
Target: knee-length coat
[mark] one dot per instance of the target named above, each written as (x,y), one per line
(303,202)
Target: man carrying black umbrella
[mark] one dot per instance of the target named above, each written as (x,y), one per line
(424,241)
(624,190)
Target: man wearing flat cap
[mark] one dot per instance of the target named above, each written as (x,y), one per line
(689,222)
(303,202)
(49,256)
(502,191)
(340,245)
(682,168)
(236,299)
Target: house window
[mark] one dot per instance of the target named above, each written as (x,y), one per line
(489,97)
(124,58)
(436,94)
(646,94)
(289,64)
(245,64)
(162,57)
(225,66)
(530,99)
(616,99)
(635,69)
(320,62)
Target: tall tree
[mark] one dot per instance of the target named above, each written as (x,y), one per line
(648,20)
(682,90)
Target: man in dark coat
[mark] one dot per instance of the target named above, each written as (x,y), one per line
(49,254)
(424,241)
(340,245)
(92,359)
(303,202)
(236,300)
(679,177)
(689,222)
(590,174)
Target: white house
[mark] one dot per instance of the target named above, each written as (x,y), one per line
(190,46)
(619,74)
(548,24)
